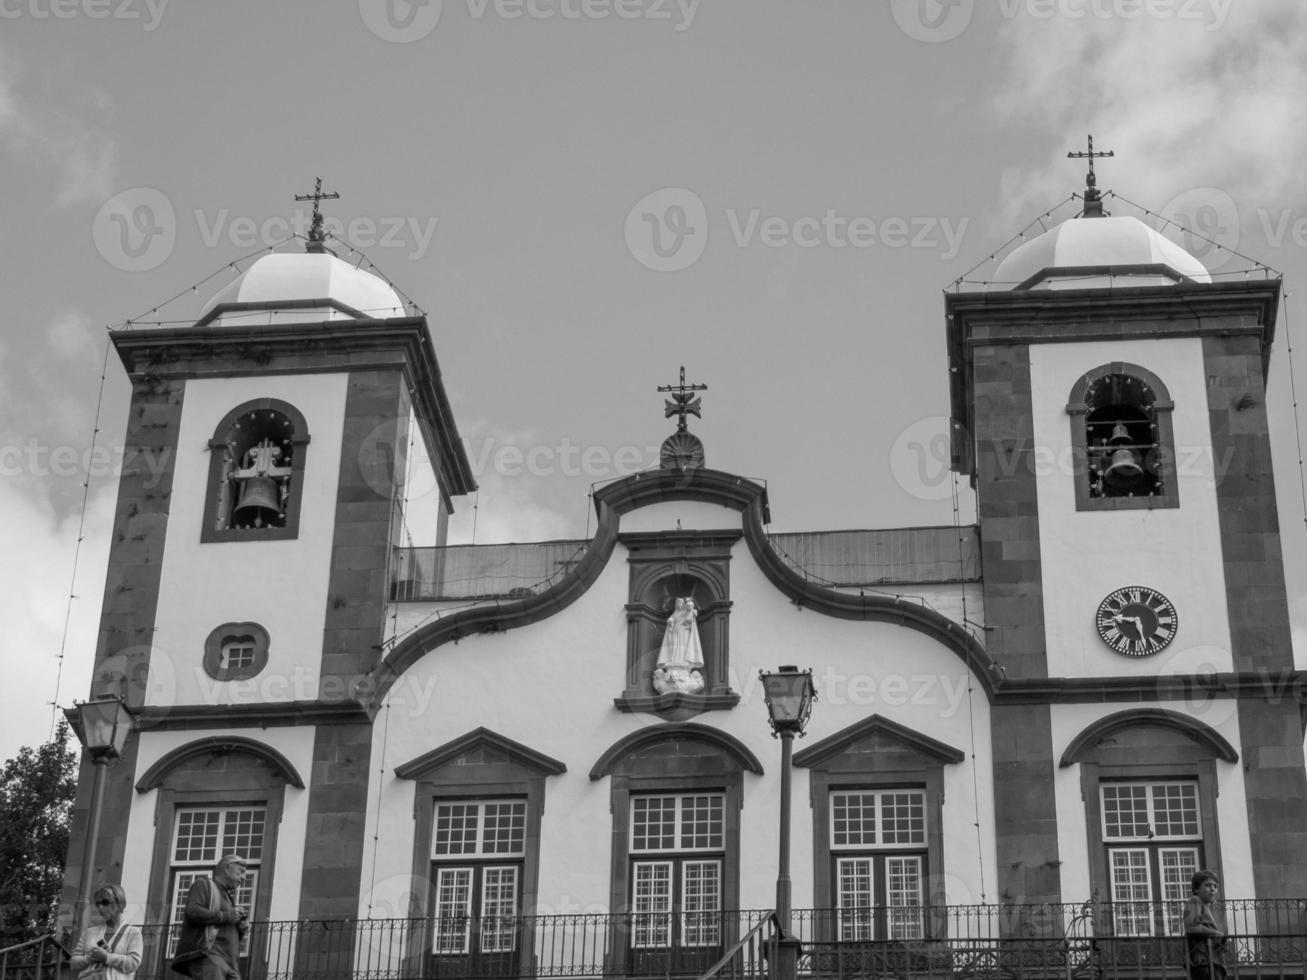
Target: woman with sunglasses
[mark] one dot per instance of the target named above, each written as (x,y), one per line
(112,950)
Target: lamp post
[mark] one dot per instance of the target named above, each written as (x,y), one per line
(789,693)
(103,725)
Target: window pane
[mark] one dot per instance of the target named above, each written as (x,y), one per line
(197,837)
(853,819)
(1178,865)
(653,823)
(456,829)
(1125,811)
(498,907)
(651,901)
(701,902)
(505,828)
(903,818)
(854,897)
(242,833)
(1131,891)
(453,901)
(903,894)
(1175,808)
(701,827)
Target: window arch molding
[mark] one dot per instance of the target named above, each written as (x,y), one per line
(1146,765)
(218,491)
(675,768)
(1143,406)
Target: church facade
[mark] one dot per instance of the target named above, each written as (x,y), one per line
(450,752)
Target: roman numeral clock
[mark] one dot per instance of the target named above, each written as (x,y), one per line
(1136,621)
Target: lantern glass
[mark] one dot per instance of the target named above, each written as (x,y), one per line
(106,724)
(789,693)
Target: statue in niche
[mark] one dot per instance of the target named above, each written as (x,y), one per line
(680,661)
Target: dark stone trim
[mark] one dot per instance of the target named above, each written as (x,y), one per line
(1007,317)
(344,346)
(673,705)
(1251,686)
(638,490)
(808,595)
(520,755)
(279,304)
(710,486)
(820,754)
(227,791)
(657,544)
(213,651)
(1094,774)
(730,746)
(166,718)
(218,745)
(1186,725)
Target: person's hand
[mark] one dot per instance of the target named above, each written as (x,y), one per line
(97,954)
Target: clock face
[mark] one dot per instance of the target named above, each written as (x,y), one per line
(1136,621)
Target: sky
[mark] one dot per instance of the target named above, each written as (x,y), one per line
(585,196)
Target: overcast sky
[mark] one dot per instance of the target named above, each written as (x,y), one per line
(585,195)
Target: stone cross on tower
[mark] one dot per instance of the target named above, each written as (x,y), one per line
(1093,199)
(317,237)
(682,450)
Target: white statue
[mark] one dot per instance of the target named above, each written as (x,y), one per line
(681,658)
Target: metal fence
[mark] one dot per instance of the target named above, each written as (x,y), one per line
(1267,940)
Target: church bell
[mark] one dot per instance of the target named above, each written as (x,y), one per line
(259,504)
(1124,470)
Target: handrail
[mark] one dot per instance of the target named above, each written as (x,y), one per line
(744,941)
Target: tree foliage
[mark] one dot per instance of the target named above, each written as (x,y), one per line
(37,787)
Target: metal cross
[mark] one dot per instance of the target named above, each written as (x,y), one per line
(1090,155)
(1093,201)
(316,235)
(683,401)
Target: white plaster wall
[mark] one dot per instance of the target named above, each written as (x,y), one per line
(296,744)
(1232,812)
(1086,555)
(551,686)
(280,584)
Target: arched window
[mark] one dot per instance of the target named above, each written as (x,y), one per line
(256,472)
(1121,435)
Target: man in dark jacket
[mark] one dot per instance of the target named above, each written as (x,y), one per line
(213,925)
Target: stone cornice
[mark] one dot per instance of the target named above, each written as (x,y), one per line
(398,343)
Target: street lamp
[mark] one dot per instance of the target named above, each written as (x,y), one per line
(789,693)
(102,725)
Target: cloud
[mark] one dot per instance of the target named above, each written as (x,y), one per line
(57,135)
(34,589)
(1213,99)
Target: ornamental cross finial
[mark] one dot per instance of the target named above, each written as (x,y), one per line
(683,401)
(1093,199)
(316,234)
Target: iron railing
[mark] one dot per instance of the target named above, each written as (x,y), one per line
(36,959)
(1267,940)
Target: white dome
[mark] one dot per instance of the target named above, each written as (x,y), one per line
(1099,252)
(301,287)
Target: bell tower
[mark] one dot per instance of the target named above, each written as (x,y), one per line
(1108,406)
(253,544)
